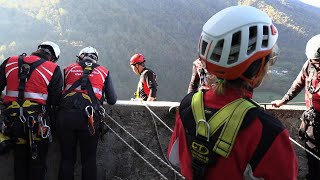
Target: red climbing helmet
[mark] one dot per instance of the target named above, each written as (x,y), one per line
(137,58)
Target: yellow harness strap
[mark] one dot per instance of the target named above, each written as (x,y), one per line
(230,117)
(26,104)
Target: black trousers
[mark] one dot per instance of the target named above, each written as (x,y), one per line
(27,168)
(72,128)
(313,165)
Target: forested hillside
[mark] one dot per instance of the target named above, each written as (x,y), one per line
(165,31)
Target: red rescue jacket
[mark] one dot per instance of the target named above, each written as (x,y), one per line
(262,149)
(36,88)
(97,78)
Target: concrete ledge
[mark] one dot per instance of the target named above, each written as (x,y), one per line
(115,160)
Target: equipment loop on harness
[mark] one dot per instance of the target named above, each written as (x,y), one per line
(207,130)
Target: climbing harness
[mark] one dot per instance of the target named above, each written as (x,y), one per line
(30,114)
(89,113)
(92,106)
(204,149)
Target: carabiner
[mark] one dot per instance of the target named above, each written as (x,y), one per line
(87,111)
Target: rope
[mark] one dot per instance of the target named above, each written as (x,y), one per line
(136,152)
(144,146)
(156,116)
(295,142)
(158,137)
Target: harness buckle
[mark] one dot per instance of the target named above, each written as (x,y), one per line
(207,130)
(25,69)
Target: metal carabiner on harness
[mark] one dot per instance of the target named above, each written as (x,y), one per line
(89,113)
(207,130)
(44,128)
(103,111)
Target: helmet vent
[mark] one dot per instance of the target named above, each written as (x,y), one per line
(265,40)
(235,48)
(252,39)
(203,47)
(217,51)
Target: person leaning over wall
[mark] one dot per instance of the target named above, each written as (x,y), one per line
(87,86)
(308,79)
(221,133)
(33,90)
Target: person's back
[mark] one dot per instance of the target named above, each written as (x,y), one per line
(221,133)
(261,148)
(87,86)
(33,90)
(36,87)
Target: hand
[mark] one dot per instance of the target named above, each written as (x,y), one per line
(302,134)
(151,99)
(276,103)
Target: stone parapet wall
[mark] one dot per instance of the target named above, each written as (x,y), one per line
(117,161)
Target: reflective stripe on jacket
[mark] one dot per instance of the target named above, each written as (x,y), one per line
(36,88)
(97,78)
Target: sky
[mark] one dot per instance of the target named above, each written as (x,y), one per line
(315,3)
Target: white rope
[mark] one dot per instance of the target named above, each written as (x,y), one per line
(158,137)
(145,146)
(136,152)
(295,142)
(156,116)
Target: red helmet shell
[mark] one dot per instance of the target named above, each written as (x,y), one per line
(137,58)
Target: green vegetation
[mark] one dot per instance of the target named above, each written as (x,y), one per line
(165,31)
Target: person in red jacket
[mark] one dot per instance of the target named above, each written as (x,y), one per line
(229,140)
(147,86)
(87,86)
(308,79)
(33,90)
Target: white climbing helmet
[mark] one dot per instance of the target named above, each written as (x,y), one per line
(54,47)
(89,50)
(234,38)
(313,47)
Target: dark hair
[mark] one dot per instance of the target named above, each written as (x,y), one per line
(42,54)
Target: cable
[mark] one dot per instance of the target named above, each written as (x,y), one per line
(295,142)
(144,146)
(136,152)
(156,116)
(158,137)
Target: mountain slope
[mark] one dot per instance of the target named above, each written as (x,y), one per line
(165,31)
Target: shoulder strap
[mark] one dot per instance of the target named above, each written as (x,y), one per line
(24,72)
(85,82)
(137,94)
(230,117)
(314,70)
